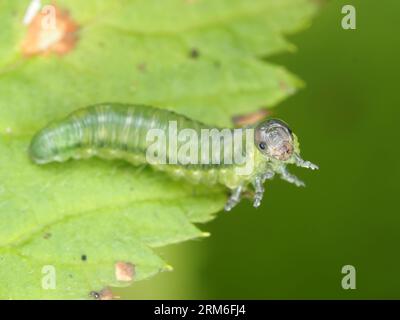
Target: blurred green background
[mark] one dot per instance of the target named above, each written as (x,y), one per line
(295,245)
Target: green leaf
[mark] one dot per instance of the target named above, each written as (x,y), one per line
(201,58)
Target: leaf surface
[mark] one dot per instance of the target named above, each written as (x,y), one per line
(201,58)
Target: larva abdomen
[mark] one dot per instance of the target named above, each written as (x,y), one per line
(105,130)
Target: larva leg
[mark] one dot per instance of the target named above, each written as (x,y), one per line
(234,198)
(259,188)
(285,175)
(305,164)
(267,176)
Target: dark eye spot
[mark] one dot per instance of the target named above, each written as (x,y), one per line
(94,295)
(262,145)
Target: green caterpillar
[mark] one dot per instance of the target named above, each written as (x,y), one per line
(119,131)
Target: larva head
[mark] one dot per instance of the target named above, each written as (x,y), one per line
(274,139)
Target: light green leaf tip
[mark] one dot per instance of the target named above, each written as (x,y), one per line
(202,58)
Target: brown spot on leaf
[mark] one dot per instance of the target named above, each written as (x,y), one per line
(124,271)
(142,67)
(250,118)
(51,31)
(194,53)
(47,235)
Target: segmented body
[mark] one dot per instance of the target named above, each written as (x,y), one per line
(118,131)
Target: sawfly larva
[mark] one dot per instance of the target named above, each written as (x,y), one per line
(119,131)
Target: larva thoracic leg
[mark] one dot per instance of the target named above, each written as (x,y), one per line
(259,188)
(234,198)
(291,178)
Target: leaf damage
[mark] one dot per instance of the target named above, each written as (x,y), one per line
(124,271)
(52,30)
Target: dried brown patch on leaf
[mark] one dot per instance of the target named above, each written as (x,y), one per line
(250,118)
(124,271)
(52,30)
